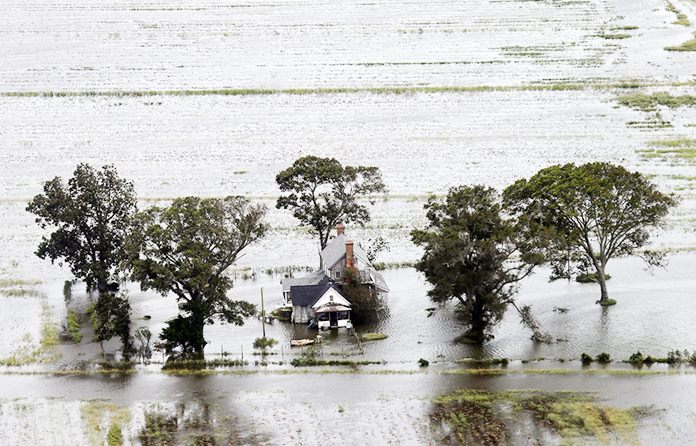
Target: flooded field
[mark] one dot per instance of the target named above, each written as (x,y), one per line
(214,98)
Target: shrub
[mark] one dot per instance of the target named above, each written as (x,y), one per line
(264,343)
(636,358)
(603,358)
(586,359)
(366,337)
(423,362)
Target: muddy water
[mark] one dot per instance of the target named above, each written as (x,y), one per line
(645,319)
(299,409)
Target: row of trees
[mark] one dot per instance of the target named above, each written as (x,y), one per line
(478,244)
(185,248)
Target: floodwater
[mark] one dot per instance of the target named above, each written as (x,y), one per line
(424,142)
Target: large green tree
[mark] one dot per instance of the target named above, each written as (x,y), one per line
(595,211)
(90,218)
(321,193)
(186,249)
(476,256)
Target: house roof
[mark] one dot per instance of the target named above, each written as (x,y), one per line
(336,249)
(313,278)
(379,281)
(307,295)
(331,297)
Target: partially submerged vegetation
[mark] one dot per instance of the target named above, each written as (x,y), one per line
(689,45)
(650,102)
(104,421)
(682,19)
(72,323)
(366,337)
(677,148)
(489,418)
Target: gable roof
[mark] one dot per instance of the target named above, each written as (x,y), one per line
(336,249)
(307,295)
(332,296)
(313,278)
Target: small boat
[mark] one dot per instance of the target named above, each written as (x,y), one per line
(301,342)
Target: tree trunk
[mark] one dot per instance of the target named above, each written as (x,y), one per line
(197,339)
(602,280)
(479,324)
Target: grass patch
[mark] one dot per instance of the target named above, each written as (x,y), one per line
(650,102)
(104,420)
(20,292)
(198,364)
(590,278)
(613,36)
(607,303)
(689,45)
(159,429)
(7,283)
(73,325)
(47,351)
(681,148)
(366,337)
(306,361)
(483,417)
(484,362)
(682,19)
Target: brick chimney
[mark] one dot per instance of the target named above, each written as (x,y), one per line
(350,257)
(340,229)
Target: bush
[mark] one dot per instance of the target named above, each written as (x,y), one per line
(586,359)
(636,358)
(366,337)
(608,303)
(603,358)
(264,343)
(423,362)
(73,325)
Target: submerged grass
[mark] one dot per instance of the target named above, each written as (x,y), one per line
(366,337)
(689,45)
(570,86)
(681,148)
(682,19)
(484,417)
(73,325)
(48,350)
(104,421)
(650,102)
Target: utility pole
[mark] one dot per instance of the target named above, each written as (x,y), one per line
(263,315)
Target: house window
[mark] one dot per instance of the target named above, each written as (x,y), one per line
(330,297)
(337,274)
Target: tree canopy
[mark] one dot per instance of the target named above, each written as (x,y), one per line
(185,249)
(475,255)
(91,218)
(594,212)
(321,193)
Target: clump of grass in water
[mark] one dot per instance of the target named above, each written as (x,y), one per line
(648,103)
(97,415)
(683,148)
(682,19)
(366,337)
(47,351)
(159,429)
(476,416)
(73,325)
(689,45)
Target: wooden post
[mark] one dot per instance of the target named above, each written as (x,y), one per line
(263,316)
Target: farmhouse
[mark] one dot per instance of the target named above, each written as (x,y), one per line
(320,297)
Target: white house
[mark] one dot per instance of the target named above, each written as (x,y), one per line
(307,294)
